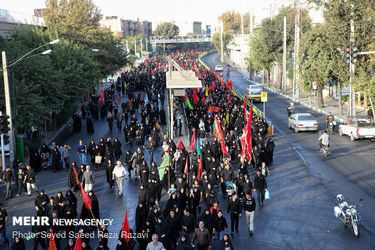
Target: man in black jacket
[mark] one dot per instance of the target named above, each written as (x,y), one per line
(188,222)
(260,186)
(7,177)
(220,223)
(234,207)
(249,208)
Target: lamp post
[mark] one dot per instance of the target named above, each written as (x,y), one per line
(7,92)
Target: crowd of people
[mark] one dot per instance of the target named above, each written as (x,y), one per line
(179,203)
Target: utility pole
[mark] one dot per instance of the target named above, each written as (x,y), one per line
(296,51)
(352,70)
(284,59)
(141,46)
(221,42)
(8,107)
(243,42)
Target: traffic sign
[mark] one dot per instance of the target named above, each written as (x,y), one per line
(263,97)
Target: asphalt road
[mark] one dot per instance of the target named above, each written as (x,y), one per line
(305,184)
(299,214)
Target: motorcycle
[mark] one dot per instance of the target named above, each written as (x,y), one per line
(348,214)
(326,150)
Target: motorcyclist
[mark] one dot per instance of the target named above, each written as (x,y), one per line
(291,109)
(228,72)
(324,139)
(330,118)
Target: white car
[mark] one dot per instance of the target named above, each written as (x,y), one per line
(254,88)
(358,129)
(303,122)
(219,68)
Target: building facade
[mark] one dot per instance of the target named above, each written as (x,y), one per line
(123,28)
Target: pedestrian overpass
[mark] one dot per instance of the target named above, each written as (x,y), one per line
(154,40)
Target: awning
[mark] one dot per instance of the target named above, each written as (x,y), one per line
(182,80)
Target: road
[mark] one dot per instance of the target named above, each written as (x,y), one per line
(305,184)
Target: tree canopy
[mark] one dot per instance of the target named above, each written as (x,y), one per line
(167,29)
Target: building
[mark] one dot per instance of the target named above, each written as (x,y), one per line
(11,22)
(238,50)
(123,28)
(197,28)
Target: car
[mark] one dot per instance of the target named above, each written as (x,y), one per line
(358,129)
(219,68)
(254,88)
(303,122)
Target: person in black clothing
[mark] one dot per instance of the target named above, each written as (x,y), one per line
(18,244)
(226,243)
(208,220)
(38,239)
(117,149)
(188,222)
(7,177)
(249,206)
(220,223)
(260,186)
(234,207)
(3,221)
(41,202)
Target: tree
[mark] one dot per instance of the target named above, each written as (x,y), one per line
(79,22)
(316,59)
(217,41)
(167,29)
(232,22)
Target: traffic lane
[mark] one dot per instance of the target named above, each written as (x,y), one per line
(293,189)
(345,153)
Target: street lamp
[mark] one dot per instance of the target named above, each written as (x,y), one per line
(7,92)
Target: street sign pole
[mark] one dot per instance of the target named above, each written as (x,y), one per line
(264,109)
(2,152)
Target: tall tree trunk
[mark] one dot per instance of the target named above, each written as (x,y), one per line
(268,77)
(372,106)
(320,95)
(365,100)
(340,97)
(263,77)
(279,76)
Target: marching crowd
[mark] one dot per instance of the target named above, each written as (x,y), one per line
(189,177)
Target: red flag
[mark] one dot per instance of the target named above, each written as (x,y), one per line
(216,77)
(229,85)
(52,243)
(204,71)
(211,71)
(130,103)
(229,97)
(195,97)
(88,97)
(159,67)
(219,134)
(205,101)
(125,228)
(102,97)
(86,198)
(212,87)
(222,83)
(200,168)
(75,172)
(249,138)
(221,75)
(186,167)
(244,105)
(78,245)
(118,98)
(152,72)
(193,69)
(180,146)
(185,97)
(213,109)
(192,144)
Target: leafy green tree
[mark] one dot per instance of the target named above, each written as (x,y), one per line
(167,29)
(217,41)
(79,22)
(232,22)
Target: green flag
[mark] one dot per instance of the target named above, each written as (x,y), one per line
(163,165)
(198,148)
(188,103)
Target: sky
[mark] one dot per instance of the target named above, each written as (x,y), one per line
(206,11)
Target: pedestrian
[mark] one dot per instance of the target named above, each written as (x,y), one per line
(65,156)
(88,179)
(18,244)
(119,173)
(117,149)
(234,208)
(3,222)
(30,180)
(202,236)
(151,148)
(220,224)
(184,243)
(260,186)
(81,151)
(225,243)
(110,121)
(20,177)
(249,206)
(155,244)
(109,170)
(7,177)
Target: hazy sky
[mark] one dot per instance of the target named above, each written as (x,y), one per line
(165,10)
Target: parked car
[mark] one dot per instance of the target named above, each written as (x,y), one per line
(219,68)
(358,129)
(303,122)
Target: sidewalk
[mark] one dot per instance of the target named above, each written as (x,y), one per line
(330,104)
